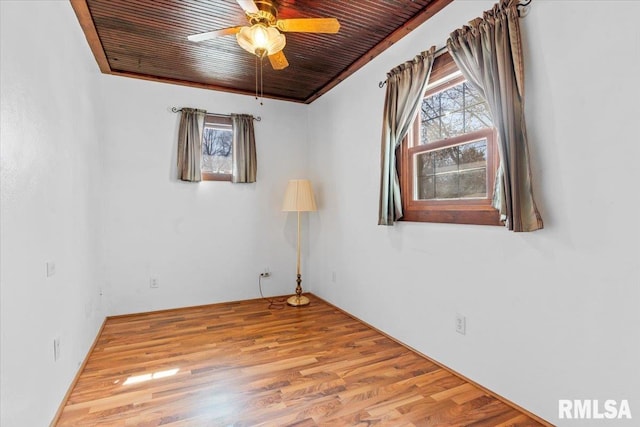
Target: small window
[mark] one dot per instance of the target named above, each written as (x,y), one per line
(448,161)
(217,146)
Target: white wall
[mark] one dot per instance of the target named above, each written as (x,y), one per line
(87,163)
(204,242)
(88,181)
(551,314)
(51,175)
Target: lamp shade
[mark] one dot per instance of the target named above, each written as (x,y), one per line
(299,196)
(260,40)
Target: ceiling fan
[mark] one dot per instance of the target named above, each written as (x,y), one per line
(263,37)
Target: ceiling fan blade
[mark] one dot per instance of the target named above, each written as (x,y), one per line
(309,25)
(213,34)
(278,61)
(248,6)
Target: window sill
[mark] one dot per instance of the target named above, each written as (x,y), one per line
(476,216)
(207,176)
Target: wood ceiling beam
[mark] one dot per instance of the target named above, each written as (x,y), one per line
(198,85)
(81,9)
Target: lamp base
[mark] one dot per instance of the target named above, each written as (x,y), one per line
(298,300)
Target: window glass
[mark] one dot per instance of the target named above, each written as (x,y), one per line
(458,172)
(217,146)
(452,112)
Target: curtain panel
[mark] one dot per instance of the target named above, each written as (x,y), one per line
(190,144)
(488,52)
(405,87)
(245,164)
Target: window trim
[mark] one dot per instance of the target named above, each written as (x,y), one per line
(222,121)
(209,176)
(457,211)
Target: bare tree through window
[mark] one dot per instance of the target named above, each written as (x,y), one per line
(458,171)
(217,146)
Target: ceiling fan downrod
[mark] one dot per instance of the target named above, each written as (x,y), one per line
(267,13)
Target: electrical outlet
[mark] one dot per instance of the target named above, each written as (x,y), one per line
(461,324)
(266,272)
(56,349)
(333,276)
(153,282)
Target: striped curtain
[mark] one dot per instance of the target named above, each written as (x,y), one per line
(405,87)
(488,51)
(190,144)
(245,164)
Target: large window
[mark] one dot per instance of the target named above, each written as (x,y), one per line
(448,160)
(217,147)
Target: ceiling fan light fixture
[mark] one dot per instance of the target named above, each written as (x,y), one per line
(261,40)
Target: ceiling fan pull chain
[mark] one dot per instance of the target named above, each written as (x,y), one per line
(261,82)
(260,94)
(256,73)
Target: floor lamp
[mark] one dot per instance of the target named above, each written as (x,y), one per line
(299,198)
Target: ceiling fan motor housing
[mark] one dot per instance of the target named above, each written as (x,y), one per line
(267,13)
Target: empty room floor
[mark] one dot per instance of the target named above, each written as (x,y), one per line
(244,364)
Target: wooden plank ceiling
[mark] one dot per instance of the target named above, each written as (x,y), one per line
(148,39)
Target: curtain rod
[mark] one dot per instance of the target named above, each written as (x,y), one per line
(522,5)
(443,49)
(177,110)
(438,52)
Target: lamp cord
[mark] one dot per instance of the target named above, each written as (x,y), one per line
(274,304)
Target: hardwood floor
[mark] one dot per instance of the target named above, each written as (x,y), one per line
(242,364)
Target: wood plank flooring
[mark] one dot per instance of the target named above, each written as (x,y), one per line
(241,364)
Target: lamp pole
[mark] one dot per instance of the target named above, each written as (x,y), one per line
(298,270)
(298,299)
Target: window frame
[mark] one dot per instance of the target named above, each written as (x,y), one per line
(211,120)
(457,211)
